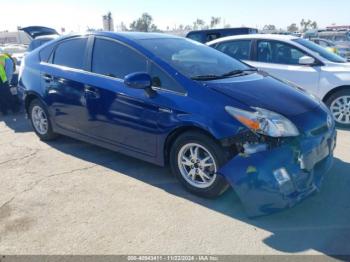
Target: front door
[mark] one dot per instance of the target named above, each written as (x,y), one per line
(119,114)
(282,61)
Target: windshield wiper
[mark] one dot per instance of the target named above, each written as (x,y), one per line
(238,72)
(231,73)
(206,77)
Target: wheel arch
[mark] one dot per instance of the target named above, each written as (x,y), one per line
(335,90)
(29,97)
(174,134)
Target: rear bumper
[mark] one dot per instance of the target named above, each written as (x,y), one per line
(280,178)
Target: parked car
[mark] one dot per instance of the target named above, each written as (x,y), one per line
(166,99)
(39,41)
(204,36)
(299,61)
(39,35)
(341,40)
(329,45)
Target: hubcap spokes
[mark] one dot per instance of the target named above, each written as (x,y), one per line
(39,120)
(340,109)
(197,165)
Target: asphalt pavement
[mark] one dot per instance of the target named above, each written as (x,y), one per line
(69,197)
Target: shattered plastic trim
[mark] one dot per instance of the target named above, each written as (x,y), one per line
(253,177)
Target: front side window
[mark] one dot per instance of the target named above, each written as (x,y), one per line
(116,60)
(71,53)
(192,59)
(163,80)
(278,53)
(239,49)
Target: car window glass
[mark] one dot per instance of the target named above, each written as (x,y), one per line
(71,53)
(323,43)
(116,60)
(236,49)
(191,58)
(46,52)
(195,37)
(211,37)
(163,80)
(278,53)
(340,38)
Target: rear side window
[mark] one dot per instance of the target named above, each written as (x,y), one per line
(116,60)
(278,53)
(71,53)
(239,49)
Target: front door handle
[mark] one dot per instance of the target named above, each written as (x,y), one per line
(91,92)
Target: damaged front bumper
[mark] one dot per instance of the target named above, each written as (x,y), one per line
(280,177)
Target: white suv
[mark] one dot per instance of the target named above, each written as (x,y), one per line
(297,60)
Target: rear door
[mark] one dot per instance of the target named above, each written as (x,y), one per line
(62,77)
(281,60)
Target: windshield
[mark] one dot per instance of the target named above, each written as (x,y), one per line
(193,59)
(320,51)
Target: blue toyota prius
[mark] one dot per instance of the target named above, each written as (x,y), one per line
(217,122)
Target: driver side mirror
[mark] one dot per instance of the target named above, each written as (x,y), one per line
(307,60)
(140,80)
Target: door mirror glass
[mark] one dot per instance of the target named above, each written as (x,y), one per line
(138,80)
(306,60)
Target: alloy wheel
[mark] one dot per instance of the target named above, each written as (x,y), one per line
(340,109)
(39,120)
(197,165)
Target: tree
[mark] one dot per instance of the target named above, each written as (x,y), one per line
(144,24)
(292,28)
(307,25)
(198,24)
(270,28)
(122,27)
(214,21)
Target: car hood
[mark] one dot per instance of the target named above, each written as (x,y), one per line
(35,31)
(264,91)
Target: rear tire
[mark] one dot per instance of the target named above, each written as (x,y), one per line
(339,105)
(195,159)
(40,120)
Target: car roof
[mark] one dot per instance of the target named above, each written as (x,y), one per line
(136,35)
(219,30)
(255,36)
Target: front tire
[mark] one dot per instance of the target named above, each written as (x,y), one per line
(40,120)
(339,105)
(195,159)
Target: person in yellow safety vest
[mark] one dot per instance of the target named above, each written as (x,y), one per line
(6,71)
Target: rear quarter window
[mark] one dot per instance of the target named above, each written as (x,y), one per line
(71,53)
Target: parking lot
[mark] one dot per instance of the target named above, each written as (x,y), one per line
(69,197)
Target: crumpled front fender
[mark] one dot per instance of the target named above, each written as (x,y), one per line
(253,177)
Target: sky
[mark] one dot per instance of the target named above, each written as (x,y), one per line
(79,15)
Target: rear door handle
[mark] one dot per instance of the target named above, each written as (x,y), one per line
(47,78)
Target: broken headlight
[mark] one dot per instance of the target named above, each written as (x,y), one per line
(264,122)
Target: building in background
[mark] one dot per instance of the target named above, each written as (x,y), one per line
(338,27)
(18,37)
(108,24)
